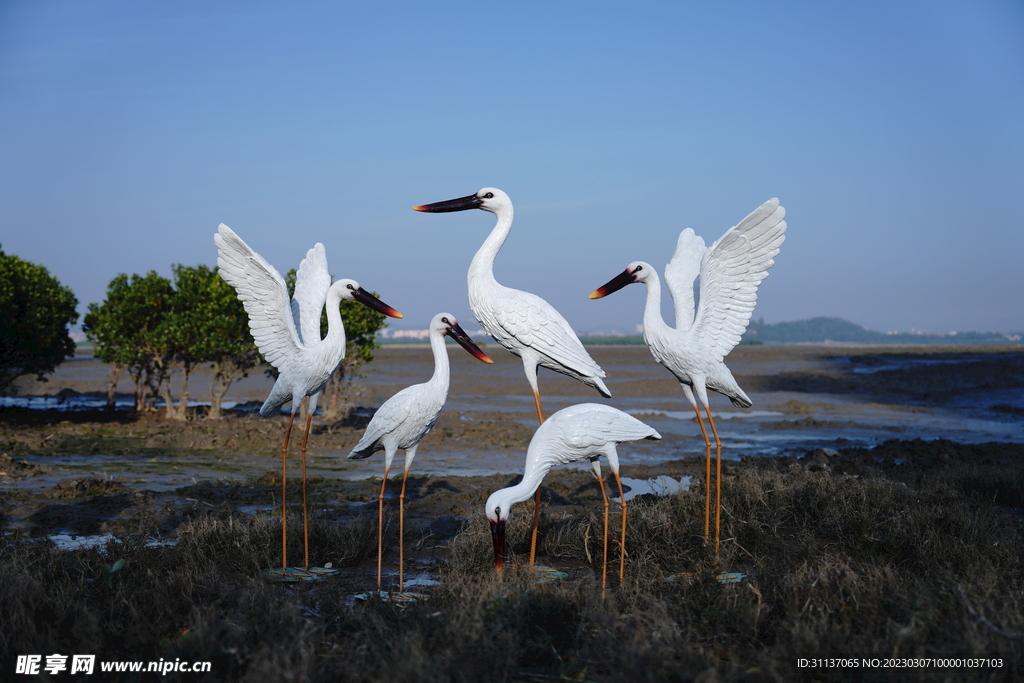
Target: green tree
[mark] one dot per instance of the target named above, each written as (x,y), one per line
(124,329)
(206,324)
(183,339)
(35,312)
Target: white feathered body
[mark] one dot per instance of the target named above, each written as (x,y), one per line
(287,331)
(523,323)
(585,431)
(405,418)
(714,291)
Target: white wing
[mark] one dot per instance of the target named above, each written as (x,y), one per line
(730,273)
(584,431)
(407,417)
(312,281)
(522,319)
(263,293)
(681,276)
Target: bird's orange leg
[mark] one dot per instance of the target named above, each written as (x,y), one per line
(401,534)
(622,543)
(533,534)
(380,528)
(718,483)
(284,493)
(707,474)
(536,401)
(305,507)
(536,498)
(604,561)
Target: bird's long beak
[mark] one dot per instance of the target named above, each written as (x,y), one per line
(615,284)
(498,536)
(460,204)
(367,299)
(459,335)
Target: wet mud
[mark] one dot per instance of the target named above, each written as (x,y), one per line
(92,472)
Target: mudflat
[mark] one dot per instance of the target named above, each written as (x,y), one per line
(92,472)
(871,508)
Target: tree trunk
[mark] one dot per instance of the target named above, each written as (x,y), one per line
(141,387)
(181,412)
(224,374)
(174,411)
(112,377)
(165,392)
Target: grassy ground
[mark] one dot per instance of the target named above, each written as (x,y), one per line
(839,562)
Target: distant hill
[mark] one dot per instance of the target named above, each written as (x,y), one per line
(823,329)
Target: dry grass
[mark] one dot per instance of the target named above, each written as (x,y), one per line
(836,566)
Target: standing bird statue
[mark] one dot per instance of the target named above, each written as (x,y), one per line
(585,431)
(714,290)
(287,333)
(523,323)
(404,419)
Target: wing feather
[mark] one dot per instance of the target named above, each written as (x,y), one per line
(730,273)
(682,276)
(263,293)
(585,430)
(312,280)
(530,321)
(406,417)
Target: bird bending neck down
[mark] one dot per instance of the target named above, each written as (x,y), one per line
(525,324)
(581,432)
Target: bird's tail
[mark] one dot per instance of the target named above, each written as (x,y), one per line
(599,385)
(359,455)
(741,400)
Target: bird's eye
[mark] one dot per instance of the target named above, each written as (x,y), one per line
(351,287)
(489,195)
(638,269)
(497,512)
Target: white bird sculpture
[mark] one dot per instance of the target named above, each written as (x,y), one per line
(287,333)
(405,418)
(714,290)
(585,431)
(523,323)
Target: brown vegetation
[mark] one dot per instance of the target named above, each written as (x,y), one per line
(845,555)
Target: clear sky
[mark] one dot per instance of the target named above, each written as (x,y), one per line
(893,133)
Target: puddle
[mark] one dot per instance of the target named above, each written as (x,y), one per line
(827,414)
(75,542)
(659,486)
(69,541)
(718,415)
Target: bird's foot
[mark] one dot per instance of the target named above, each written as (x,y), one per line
(288,574)
(393,596)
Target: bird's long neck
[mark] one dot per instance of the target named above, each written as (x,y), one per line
(335,328)
(653,321)
(482,266)
(441,374)
(525,489)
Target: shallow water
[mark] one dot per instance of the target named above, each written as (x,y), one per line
(804,398)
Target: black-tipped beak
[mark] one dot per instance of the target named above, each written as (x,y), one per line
(367,299)
(460,204)
(498,536)
(615,284)
(460,336)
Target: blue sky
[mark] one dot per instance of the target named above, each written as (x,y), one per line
(892,132)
